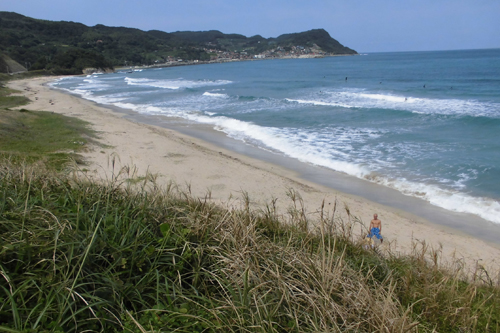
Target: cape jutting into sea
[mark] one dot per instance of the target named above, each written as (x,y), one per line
(424,123)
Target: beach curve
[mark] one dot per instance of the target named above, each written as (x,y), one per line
(206,168)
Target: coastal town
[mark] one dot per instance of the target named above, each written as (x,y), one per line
(220,56)
(278,52)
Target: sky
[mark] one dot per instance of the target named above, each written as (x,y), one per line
(363,25)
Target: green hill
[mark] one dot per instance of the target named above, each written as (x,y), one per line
(319,37)
(7,65)
(68,47)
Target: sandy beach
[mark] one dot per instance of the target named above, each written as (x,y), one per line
(223,176)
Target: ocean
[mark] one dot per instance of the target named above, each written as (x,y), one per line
(426,124)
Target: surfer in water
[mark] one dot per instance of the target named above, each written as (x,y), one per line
(376,228)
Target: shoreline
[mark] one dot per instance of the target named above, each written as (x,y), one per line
(220,61)
(415,208)
(185,158)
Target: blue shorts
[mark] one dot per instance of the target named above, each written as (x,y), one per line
(375,232)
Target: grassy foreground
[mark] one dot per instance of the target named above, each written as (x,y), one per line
(130,256)
(79,256)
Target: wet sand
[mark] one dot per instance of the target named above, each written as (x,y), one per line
(208,164)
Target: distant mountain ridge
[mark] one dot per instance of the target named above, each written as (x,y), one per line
(68,47)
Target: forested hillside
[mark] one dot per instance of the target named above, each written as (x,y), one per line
(68,47)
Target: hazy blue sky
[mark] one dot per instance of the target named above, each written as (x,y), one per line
(364,25)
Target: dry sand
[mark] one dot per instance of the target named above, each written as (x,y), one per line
(208,170)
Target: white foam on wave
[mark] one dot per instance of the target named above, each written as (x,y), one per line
(319,103)
(174,84)
(382,97)
(60,80)
(217,95)
(295,144)
(105,99)
(464,177)
(92,84)
(147,109)
(276,140)
(300,148)
(363,99)
(454,200)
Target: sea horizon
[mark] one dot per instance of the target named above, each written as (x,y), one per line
(417,51)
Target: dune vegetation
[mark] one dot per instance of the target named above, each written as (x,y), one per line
(129,255)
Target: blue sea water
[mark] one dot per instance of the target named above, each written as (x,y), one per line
(424,123)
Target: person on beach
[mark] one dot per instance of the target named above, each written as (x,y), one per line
(376,228)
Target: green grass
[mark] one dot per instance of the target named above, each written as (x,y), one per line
(12,101)
(79,256)
(24,75)
(40,136)
(7,101)
(37,135)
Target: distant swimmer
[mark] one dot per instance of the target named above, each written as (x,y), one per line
(406,98)
(424,85)
(346,78)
